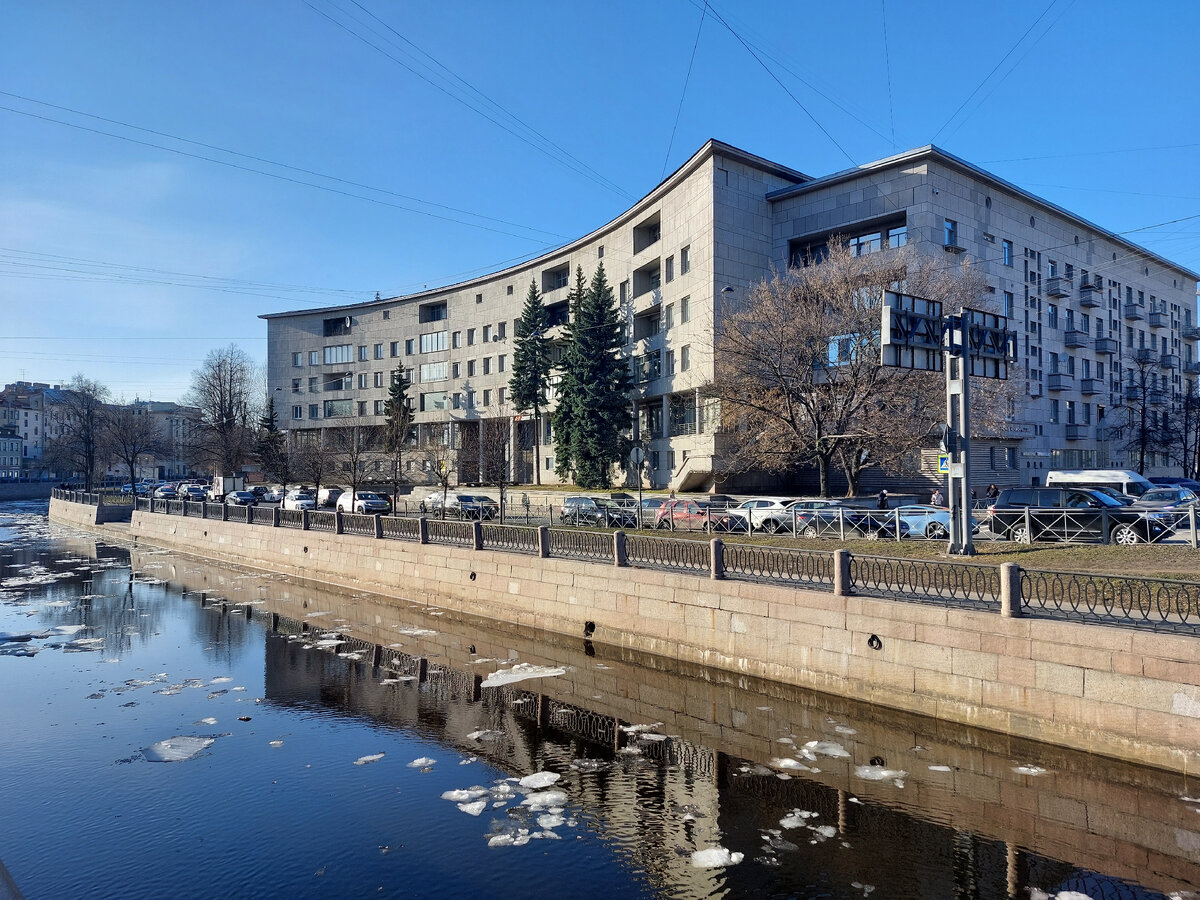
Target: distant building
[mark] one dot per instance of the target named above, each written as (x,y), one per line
(12,447)
(1090,308)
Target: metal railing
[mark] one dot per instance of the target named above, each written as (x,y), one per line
(193,508)
(581,544)
(811,567)
(451,532)
(516,538)
(1160,603)
(320,520)
(260,515)
(356,523)
(668,553)
(291,518)
(914,579)
(402,529)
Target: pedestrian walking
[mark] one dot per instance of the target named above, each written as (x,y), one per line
(883,499)
(993,492)
(938,499)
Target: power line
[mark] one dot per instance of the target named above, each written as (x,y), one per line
(686,78)
(887,58)
(1093,153)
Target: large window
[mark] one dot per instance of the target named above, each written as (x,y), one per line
(436,401)
(338,408)
(297,412)
(433,312)
(337,327)
(434,341)
(338,381)
(341,353)
(433,372)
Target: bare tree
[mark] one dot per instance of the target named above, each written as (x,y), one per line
(1137,426)
(439,457)
(130,433)
(78,423)
(315,456)
(489,446)
(356,448)
(225,390)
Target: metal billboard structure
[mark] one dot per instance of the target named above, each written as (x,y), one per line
(916,334)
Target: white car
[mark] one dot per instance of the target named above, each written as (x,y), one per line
(275,494)
(756,510)
(362,502)
(299,500)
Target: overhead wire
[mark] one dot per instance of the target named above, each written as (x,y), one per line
(887,59)
(683,94)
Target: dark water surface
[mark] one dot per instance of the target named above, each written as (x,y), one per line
(317,769)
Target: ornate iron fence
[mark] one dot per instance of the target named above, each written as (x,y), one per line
(668,553)
(913,579)
(193,508)
(447,532)
(779,564)
(291,518)
(175,507)
(581,544)
(261,515)
(354,523)
(515,538)
(320,520)
(402,529)
(1160,603)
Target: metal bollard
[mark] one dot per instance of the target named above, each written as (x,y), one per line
(620,555)
(543,541)
(423,530)
(1010,590)
(378,526)
(842,586)
(477,534)
(337,522)
(716,558)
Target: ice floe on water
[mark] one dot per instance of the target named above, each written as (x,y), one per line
(539,780)
(716,858)
(207,720)
(413,631)
(177,749)
(940,769)
(521,672)
(813,749)
(881,773)
(1029,770)
(421,762)
(370,758)
(640,729)
(790,764)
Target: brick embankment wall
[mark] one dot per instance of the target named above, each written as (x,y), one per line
(1121,692)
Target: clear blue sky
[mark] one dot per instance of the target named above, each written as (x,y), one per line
(128,262)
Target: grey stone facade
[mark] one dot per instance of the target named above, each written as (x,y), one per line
(1082,300)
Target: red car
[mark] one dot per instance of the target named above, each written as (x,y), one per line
(692,515)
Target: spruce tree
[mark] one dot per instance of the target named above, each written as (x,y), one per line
(271,446)
(531,368)
(596,386)
(565,414)
(397,420)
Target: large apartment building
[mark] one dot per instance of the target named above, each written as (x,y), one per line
(1093,313)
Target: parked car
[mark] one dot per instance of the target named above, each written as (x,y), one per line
(1189,483)
(274,494)
(299,500)
(195,492)
(241,498)
(831,519)
(363,502)
(1064,514)
(464,506)
(793,513)
(1176,500)
(165,492)
(692,515)
(328,496)
(931,521)
(754,511)
(719,501)
(597,511)
(259,491)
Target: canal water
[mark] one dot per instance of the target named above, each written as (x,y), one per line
(176,728)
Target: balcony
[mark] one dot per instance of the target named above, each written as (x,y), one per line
(1035,389)
(1169,361)
(1107,345)
(1144,355)
(1058,286)
(1090,296)
(1089,386)
(1077,432)
(1158,319)
(1190,332)
(1133,311)
(1191,368)
(1106,433)
(1060,381)
(1132,393)
(1156,397)
(1076,338)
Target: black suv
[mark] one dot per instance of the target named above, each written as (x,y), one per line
(1073,514)
(597,511)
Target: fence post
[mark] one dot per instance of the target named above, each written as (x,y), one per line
(477,533)
(716,558)
(841,573)
(842,524)
(620,553)
(248,509)
(1192,524)
(423,530)
(224,510)
(378,526)
(337,521)
(274,516)
(1028,526)
(1104,535)
(896,522)
(543,541)
(1010,590)
(304,520)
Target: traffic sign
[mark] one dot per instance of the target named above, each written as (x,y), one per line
(943,463)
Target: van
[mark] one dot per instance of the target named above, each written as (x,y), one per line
(1124,480)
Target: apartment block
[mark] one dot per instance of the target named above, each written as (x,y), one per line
(1091,310)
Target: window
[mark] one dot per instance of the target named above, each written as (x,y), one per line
(362,380)
(297,412)
(685,260)
(500,363)
(487,365)
(379,379)
(470,368)
(297,359)
(295,385)
(454,370)
(1053,268)
(394,349)
(509,290)
(379,410)
(336,327)
(500,396)
(624,292)
(897,237)
(362,353)
(1007,252)
(685,358)
(314,357)
(865,243)
(362,407)
(487,397)
(950,233)
(500,331)
(314,411)
(1008,304)
(456,340)
(342,353)
(670,276)
(387,313)
(600,252)
(432,312)
(1054,411)
(1051,315)
(409,347)
(436,401)
(669,315)
(470,336)
(670,361)
(685,309)
(338,382)
(379,351)
(487,333)
(433,372)
(312,385)
(434,341)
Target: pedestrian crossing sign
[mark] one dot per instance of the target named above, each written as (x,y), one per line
(943,463)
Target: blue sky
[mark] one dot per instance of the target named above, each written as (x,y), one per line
(430,142)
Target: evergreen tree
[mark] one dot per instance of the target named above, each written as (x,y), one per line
(594,404)
(531,368)
(564,417)
(398,418)
(271,446)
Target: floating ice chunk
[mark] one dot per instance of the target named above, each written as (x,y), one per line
(879,773)
(940,769)
(413,631)
(539,780)
(785,740)
(550,820)
(844,729)
(825,831)
(544,800)
(467,761)
(589,765)
(521,672)
(790,764)
(67,629)
(463,795)
(715,858)
(177,749)
(421,762)
(275,743)
(473,809)
(826,748)
(207,720)
(796,818)
(370,758)
(1029,770)
(638,729)
(486,735)
(221,679)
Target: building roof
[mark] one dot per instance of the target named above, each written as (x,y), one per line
(711,147)
(931,151)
